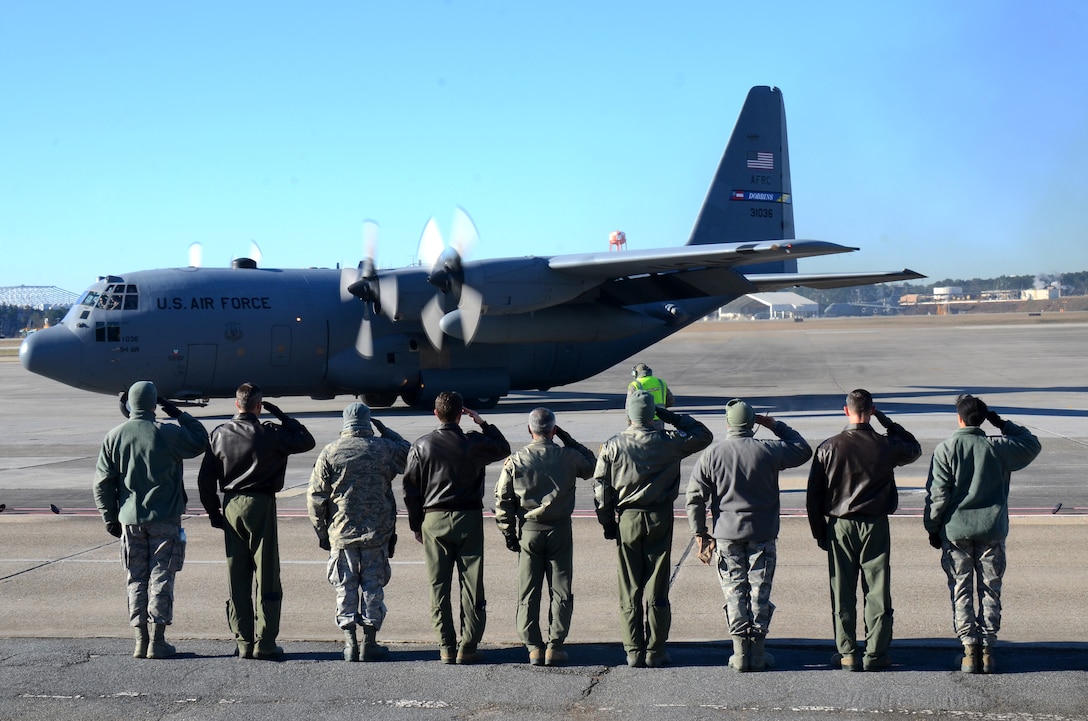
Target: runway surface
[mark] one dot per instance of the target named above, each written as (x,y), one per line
(59,576)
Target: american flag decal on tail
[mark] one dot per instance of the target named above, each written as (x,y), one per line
(761,161)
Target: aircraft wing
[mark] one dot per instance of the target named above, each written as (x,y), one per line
(612,265)
(777,281)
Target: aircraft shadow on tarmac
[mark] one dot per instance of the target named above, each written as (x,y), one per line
(829,404)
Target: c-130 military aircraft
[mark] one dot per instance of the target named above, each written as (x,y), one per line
(484,328)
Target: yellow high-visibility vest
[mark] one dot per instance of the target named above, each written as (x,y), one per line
(653,385)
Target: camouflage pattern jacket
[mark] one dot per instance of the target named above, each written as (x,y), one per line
(351,493)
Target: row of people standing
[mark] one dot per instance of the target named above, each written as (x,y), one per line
(851,492)
(636,481)
(138,490)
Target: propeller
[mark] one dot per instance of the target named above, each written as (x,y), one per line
(365,284)
(448,277)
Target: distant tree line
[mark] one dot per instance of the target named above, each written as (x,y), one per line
(14,318)
(1071,284)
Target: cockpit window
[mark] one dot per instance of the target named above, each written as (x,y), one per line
(117,296)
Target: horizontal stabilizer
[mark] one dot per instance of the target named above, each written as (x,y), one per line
(605,266)
(778,281)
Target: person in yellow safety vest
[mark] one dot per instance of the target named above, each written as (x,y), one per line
(644,379)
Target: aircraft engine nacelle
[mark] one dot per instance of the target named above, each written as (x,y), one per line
(584,323)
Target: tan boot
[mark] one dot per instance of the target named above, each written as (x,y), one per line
(969,663)
(556,655)
(351,645)
(758,658)
(159,648)
(989,662)
(372,651)
(739,661)
(141,642)
(536,656)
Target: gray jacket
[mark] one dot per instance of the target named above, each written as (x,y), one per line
(738,481)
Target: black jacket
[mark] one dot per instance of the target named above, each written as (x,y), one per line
(853,474)
(445,470)
(247,456)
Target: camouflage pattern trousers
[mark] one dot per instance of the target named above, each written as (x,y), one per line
(746,570)
(152,553)
(359,576)
(972,565)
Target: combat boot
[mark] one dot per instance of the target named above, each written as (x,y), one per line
(141,642)
(741,649)
(372,651)
(351,645)
(556,655)
(758,658)
(969,663)
(158,647)
(989,662)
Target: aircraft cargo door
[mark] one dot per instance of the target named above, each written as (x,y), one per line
(200,367)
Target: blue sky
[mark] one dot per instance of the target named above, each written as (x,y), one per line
(949,138)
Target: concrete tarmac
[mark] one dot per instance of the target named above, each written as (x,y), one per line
(65,648)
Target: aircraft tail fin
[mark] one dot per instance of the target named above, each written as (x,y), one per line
(750,198)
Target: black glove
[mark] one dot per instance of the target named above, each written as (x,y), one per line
(392,544)
(378,426)
(883,419)
(512,543)
(122,401)
(275,410)
(323,544)
(216,519)
(935,540)
(169,408)
(114,528)
(995,420)
(666,415)
(612,532)
(562,435)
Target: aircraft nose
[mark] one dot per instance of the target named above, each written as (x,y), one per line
(54,353)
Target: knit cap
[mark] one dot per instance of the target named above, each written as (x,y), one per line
(357,417)
(641,407)
(142,396)
(739,414)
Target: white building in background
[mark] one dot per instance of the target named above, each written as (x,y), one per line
(39,297)
(1048,293)
(948,292)
(770,305)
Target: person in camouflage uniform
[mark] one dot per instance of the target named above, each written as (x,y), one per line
(738,480)
(138,490)
(534,500)
(638,477)
(967,517)
(354,513)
